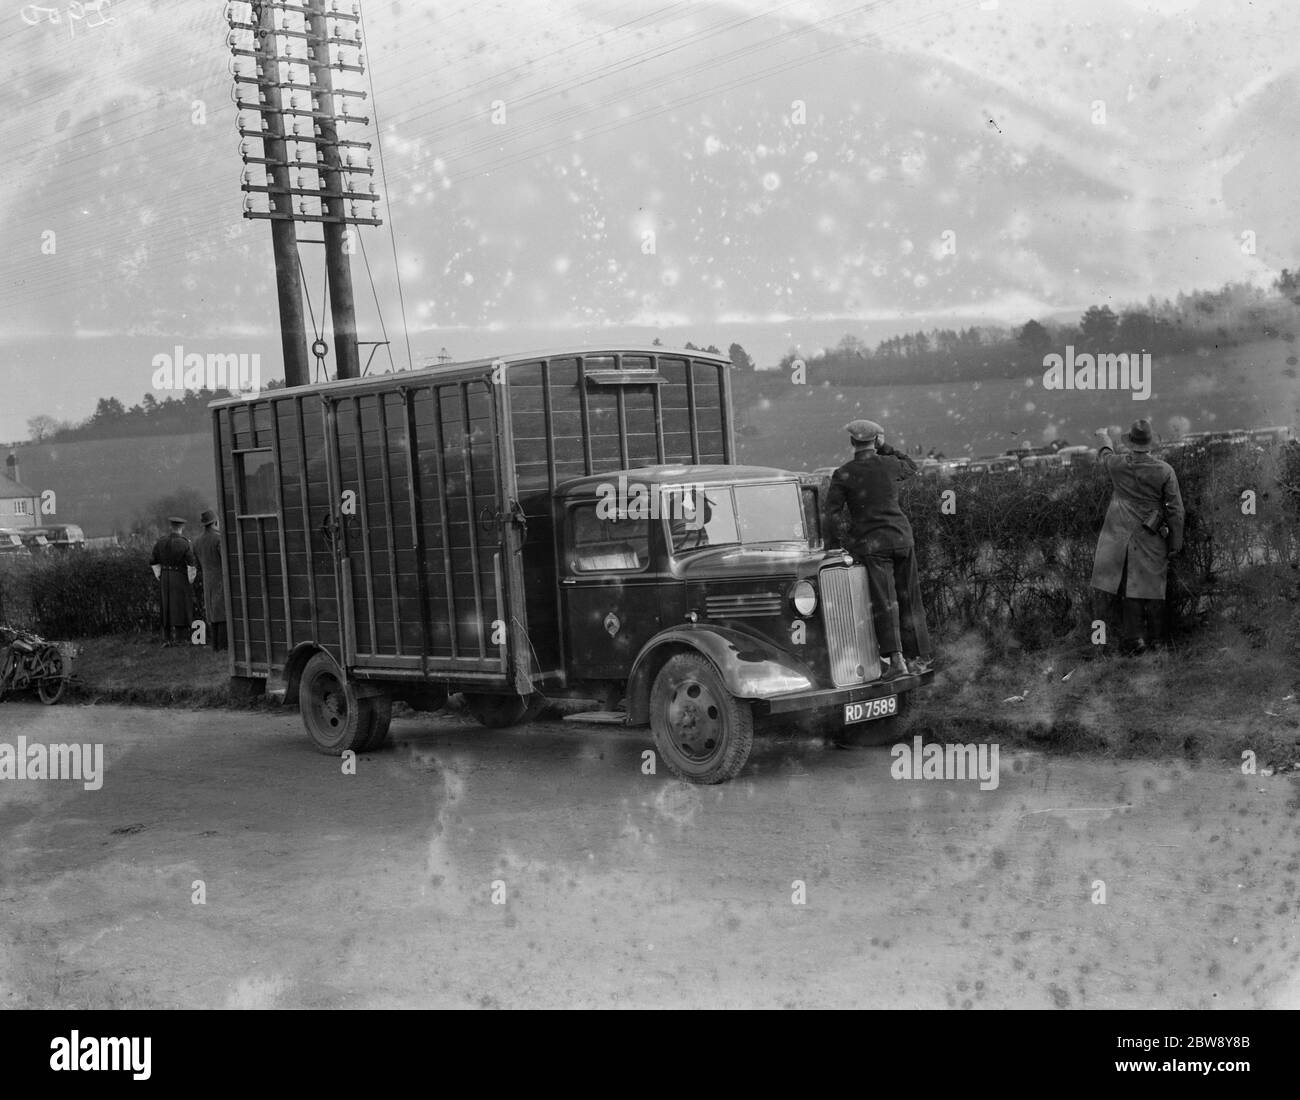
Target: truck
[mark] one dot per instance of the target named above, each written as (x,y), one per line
(527,529)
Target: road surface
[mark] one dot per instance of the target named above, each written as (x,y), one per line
(223,863)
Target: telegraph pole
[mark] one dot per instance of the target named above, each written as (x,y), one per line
(284,235)
(328,195)
(338,270)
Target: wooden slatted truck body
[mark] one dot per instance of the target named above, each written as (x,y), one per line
(566,524)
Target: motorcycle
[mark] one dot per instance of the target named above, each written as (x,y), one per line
(28,660)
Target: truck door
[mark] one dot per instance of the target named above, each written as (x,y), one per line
(418,525)
(609,591)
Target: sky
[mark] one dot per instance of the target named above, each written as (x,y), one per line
(777,173)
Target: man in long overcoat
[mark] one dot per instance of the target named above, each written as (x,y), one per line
(880,537)
(1143,527)
(208,550)
(175,566)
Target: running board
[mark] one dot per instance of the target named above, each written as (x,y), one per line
(599,717)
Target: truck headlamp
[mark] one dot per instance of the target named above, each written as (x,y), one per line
(804,598)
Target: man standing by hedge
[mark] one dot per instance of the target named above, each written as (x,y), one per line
(1144,526)
(880,536)
(207,548)
(175,566)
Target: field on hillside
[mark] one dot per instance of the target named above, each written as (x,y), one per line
(800,426)
(101,484)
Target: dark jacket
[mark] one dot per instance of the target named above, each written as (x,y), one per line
(1142,484)
(174,553)
(208,549)
(867,489)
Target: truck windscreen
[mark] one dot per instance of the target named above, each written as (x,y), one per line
(739,515)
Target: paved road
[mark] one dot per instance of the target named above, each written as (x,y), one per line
(623,889)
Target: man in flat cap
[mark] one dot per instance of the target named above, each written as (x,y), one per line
(208,549)
(175,566)
(879,535)
(1143,528)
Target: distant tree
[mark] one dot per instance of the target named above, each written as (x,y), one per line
(740,359)
(1288,285)
(656,342)
(1034,338)
(1137,330)
(186,502)
(1097,327)
(107,411)
(41,427)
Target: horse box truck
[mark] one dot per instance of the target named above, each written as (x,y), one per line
(567,525)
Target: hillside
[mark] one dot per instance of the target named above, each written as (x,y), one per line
(799,427)
(102,484)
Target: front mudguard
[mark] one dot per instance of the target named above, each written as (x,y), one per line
(752,667)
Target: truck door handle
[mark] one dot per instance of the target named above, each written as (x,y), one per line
(488,519)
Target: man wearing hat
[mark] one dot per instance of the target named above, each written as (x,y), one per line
(879,535)
(208,550)
(1144,526)
(175,566)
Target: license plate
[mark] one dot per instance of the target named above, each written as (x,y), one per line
(868,709)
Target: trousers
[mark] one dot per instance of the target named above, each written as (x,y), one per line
(897,611)
(1140,620)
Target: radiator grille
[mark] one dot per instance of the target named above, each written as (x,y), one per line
(743,605)
(850,639)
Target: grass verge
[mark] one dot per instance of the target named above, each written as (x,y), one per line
(135,670)
(1215,696)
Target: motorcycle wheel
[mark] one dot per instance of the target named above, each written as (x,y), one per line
(50,687)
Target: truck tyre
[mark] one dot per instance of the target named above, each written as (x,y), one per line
(336,719)
(703,734)
(501,711)
(381,715)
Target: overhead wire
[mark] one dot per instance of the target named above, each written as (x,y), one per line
(529,154)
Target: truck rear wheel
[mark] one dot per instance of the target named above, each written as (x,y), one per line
(702,732)
(501,711)
(336,719)
(381,716)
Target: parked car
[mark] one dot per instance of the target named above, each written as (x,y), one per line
(995,464)
(1079,454)
(62,536)
(35,541)
(11,542)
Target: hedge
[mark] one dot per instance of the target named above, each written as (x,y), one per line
(80,594)
(1011,556)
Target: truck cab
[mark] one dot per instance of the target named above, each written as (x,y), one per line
(706,594)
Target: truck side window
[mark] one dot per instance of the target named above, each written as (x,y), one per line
(255,471)
(600,545)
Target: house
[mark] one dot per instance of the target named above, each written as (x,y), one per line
(19,505)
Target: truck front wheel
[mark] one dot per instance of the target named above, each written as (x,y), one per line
(336,719)
(703,734)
